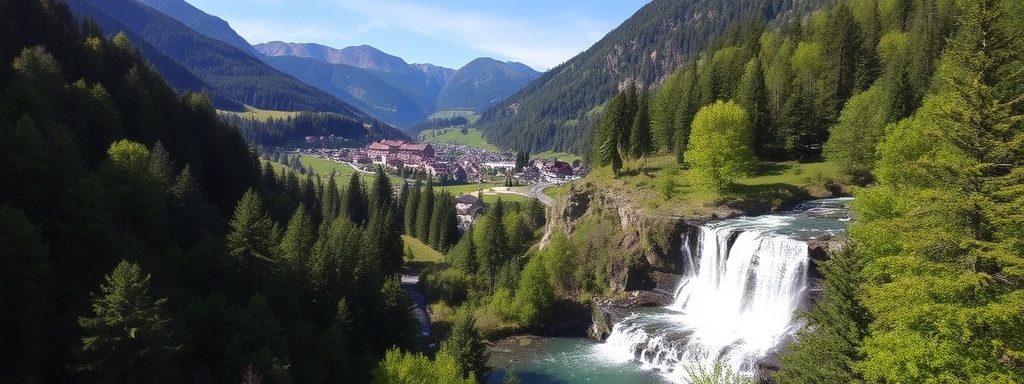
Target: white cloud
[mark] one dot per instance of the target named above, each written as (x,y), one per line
(259,31)
(540,43)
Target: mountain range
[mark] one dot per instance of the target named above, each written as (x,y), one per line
(198,51)
(392,84)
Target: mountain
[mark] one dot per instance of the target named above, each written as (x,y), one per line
(201,22)
(227,70)
(554,112)
(428,87)
(483,82)
(356,86)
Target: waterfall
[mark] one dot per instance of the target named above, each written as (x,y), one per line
(733,306)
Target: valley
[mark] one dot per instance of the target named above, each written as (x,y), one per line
(703,191)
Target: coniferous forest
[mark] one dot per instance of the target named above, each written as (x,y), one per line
(144,239)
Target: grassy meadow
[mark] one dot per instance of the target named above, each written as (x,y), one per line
(473,137)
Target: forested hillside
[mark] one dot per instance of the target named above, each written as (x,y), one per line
(144,242)
(228,71)
(201,22)
(558,110)
(919,101)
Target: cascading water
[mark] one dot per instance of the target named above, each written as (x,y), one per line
(745,278)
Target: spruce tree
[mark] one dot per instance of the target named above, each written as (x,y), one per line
(467,347)
(253,240)
(297,244)
(331,199)
(425,211)
(412,207)
(356,205)
(493,249)
(127,338)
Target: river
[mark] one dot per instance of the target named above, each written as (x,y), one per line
(746,276)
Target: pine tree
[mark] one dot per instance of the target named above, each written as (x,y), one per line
(423,214)
(640,141)
(467,347)
(127,339)
(26,285)
(493,249)
(829,344)
(253,240)
(412,207)
(297,244)
(356,205)
(331,198)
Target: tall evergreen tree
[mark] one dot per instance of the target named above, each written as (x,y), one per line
(357,206)
(26,286)
(425,211)
(493,249)
(331,199)
(467,347)
(253,240)
(127,339)
(297,244)
(641,142)
(412,207)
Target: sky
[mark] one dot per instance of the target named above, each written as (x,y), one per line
(449,33)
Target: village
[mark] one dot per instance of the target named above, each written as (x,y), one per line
(450,163)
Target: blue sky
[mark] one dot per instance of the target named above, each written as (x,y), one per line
(449,33)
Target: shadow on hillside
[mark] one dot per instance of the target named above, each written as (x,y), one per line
(762,198)
(771,169)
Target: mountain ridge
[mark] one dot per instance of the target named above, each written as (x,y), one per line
(432,88)
(552,113)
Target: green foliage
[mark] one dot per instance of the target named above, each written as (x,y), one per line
(719,148)
(467,347)
(830,342)
(258,342)
(26,283)
(400,367)
(253,240)
(939,234)
(128,338)
(852,141)
(535,297)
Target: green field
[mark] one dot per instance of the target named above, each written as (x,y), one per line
(473,137)
(420,252)
(262,114)
(342,172)
(773,186)
(560,156)
(470,115)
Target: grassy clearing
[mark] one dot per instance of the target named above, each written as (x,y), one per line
(421,253)
(491,198)
(470,115)
(342,172)
(472,137)
(773,186)
(560,156)
(262,114)
(463,189)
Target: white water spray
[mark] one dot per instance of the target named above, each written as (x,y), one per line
(734,305)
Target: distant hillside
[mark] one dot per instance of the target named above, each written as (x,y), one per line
(552,112)
(430,88)
(483,82)
(356,86)
(201,22)
(228,71)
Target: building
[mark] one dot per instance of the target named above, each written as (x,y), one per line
(469,205)
(385,151)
